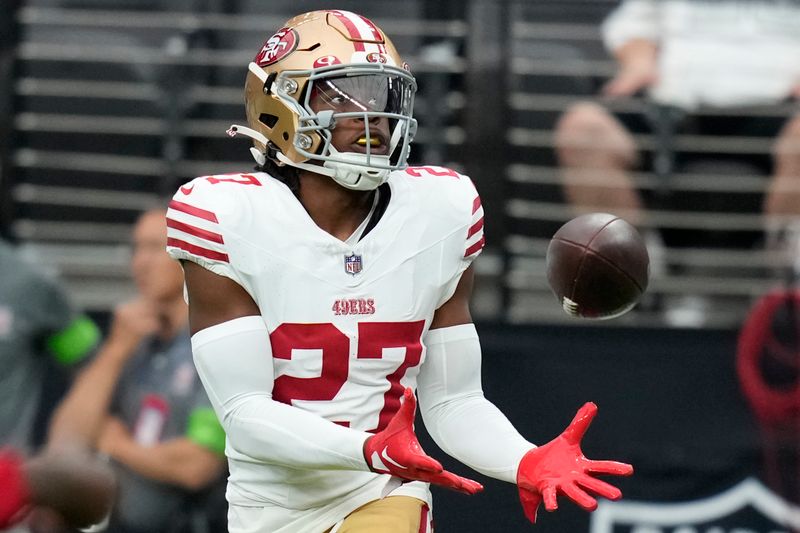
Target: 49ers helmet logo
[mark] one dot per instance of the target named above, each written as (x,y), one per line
(277,47)
(375,57)
(326,61)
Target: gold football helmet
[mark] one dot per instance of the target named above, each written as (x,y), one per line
(348,62)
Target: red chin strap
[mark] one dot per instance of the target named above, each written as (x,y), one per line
(15,495)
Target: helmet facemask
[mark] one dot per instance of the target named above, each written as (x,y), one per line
(361,92)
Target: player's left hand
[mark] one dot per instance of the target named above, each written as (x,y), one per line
(560,467)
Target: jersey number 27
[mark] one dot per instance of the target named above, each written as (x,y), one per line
(373,338)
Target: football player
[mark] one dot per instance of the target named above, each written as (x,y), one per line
(330,286)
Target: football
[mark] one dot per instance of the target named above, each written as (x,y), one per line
(597,266)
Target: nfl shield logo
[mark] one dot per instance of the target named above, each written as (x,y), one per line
(352,264)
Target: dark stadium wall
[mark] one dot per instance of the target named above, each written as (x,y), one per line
(669,403)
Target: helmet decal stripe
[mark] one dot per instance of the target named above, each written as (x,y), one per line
(366,29)
(373,31)
(368,32)
(348,19)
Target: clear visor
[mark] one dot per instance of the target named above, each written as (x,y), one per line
(363,93)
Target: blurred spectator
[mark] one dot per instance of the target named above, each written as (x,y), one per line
(37,327)
(142,401)
(689,55)
(768,367)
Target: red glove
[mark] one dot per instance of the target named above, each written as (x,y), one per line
(15,495)
(396,451)
(560,467)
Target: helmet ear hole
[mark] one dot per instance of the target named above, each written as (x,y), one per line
(268,120)
(285,136)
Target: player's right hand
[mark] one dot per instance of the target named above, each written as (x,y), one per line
(396,451)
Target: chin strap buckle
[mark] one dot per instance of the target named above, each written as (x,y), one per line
(258,155)
(236,129)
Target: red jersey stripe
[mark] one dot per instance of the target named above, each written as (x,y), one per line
(197,250)
(476,204)
(475,228)
(475,247)
(351,29)
(192,210)
(193,230)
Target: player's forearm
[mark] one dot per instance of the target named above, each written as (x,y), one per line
(275,433)
(234,363)
(177,461)
(474,431)
(457,415)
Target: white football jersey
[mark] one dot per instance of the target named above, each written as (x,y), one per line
(346,319)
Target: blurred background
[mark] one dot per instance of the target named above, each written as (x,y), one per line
(107,106)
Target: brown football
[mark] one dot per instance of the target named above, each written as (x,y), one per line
(597,266)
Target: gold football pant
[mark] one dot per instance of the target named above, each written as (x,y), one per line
(393,514)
